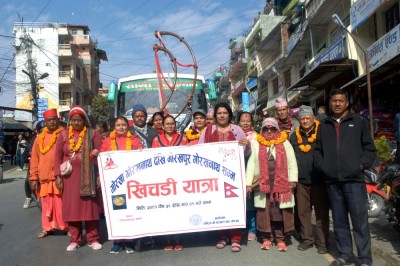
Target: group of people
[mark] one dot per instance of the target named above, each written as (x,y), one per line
(292,166)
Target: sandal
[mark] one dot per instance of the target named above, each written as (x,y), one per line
(44,234)
(168,246)
(266,245)
(221,243)
(236,247)
(178,247)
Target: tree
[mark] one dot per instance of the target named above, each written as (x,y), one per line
(101,109)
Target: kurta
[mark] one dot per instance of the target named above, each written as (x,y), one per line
(162,141)
(42,166)
(75,207)
(121,143)
(253,168)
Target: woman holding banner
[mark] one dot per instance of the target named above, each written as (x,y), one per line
(121,139)
(80,145)
(168,139)
(273,163)
(223,130)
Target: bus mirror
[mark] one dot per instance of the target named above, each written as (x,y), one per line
(111,91)
(212,93)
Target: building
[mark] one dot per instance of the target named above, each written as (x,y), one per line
(61,61)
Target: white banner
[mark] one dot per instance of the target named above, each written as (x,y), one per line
(173,190)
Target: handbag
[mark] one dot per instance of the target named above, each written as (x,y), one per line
(66,167)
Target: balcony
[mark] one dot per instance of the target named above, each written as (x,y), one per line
(66,103)
(64,50)
(262,29)
(238,87)
(238,68)
(64,77)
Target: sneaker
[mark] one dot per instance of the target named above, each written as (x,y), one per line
(282,247)
(304,246)
(340,262)
(72,247)
(115,249)
(129,248)
(322,249)
(95,246)
(19,170)
(251,237)
(27,203)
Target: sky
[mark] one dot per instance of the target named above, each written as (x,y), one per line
(125,30)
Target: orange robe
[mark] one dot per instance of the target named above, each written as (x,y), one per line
(42,170)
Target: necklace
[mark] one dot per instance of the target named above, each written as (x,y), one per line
(192,136)
(128,145)
(72,146)
(307,147)
(282,138)
(44,150)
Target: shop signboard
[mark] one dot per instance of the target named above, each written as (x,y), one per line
(361,10)
(43,105)
(245,101)
(334,52)
(296,36)
(23,115)
(385,49)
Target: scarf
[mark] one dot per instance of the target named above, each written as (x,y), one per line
(142,130)
(88,175)
(287,126)
(175,141)
(281,189)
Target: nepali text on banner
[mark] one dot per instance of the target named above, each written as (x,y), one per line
(173,190)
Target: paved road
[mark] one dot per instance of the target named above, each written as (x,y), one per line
(19,245)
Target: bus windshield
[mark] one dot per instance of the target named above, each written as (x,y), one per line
(144,89)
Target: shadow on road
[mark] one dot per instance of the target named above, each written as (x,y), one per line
(383,231)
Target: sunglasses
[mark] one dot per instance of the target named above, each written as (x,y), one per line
(271,129)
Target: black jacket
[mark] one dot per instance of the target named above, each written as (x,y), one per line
(305,161)
(151,134)
(341,154)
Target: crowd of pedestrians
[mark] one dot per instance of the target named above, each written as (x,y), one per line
(293,166)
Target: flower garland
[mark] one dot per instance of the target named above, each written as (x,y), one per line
(307,147)
(128,145)
(72,146)
(44,150)
(192,136)
(282,138)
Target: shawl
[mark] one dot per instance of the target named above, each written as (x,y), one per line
(287,126)
(88,175)
(142,137)
(281,189)
(176,140)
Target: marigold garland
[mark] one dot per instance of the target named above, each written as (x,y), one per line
(191,136)
(306,147)
(44,150)
(282,138)
(72,146)
(128,145)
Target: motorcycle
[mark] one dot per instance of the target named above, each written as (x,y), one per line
(376,197)
(391,178)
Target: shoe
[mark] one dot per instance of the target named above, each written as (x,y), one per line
(72,247)
(178,247)
(304,246)
(282,247)
(221,243)
(266,245)
(19,170)
(27,203)
(339,262)
(129,248)
(236,247)
(115,249)
(168,246)
(95,246)
(251,237)
(322,249)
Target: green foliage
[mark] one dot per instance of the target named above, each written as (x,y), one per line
(382,149)
(101,108)
(257,122)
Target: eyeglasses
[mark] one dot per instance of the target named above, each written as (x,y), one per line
(271,129)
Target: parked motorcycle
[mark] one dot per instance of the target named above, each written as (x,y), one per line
(391,178)
(376,197)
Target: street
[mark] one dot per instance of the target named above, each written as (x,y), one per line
(19,245)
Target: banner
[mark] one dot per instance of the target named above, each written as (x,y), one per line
(173,190)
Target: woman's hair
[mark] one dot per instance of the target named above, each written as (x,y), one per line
(151,122)
(239,116)
(121,117)
(167,117)
(227,107)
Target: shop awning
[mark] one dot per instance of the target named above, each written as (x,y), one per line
(379,75)
(321,75)
(15,127)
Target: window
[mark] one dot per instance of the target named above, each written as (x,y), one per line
(288,81)
(275,86)
(392,17)
(78,73)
